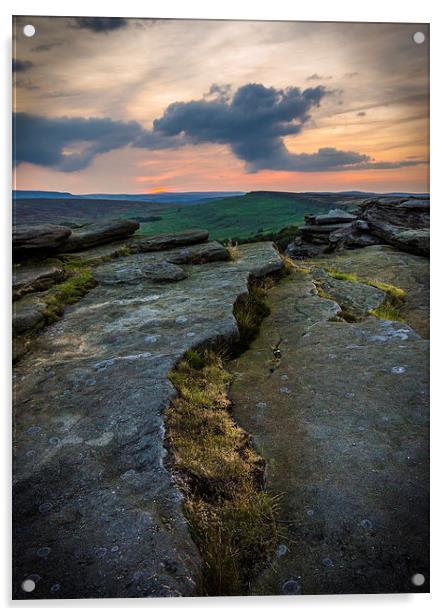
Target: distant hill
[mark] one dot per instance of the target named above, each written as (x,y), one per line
(166,197)
(236,217)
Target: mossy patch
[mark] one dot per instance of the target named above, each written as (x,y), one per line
(390,309)
(78,282)
(232,521)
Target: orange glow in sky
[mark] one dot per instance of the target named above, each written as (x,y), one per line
(375,105)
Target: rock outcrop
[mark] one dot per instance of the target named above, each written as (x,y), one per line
(168,240)
(34,277)
(341,414)
(401,222)
(96,512)
(32,239)
(97,234)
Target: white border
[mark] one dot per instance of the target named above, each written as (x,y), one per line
(324,10)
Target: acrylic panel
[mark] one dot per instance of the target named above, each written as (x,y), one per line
(220,308)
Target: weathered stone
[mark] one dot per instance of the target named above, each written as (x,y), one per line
(201,253)
(90,478)
(352,236)
(27,314)
(391,266)
(332,217)
(168,240)
(322,229)
(393,221)
(97,234)
(346,443)
(130,271)
(357,297)
(27,239)
(33,277)
(415,241)
(97,254)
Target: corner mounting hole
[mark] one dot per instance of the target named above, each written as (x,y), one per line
(418,579)
(29,30)
(419,38)
(28,585)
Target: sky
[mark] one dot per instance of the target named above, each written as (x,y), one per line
(114,105)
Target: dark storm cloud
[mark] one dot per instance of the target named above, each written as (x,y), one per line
(100,24)
(44,141)
(253,124)
(20,66)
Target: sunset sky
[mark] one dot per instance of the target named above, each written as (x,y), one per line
(137,106)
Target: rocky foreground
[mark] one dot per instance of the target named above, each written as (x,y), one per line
(96,513)
(334,393)
(342,418)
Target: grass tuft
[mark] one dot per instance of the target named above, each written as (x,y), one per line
(232,521)
(78,282)
(390,309)
(249,312)
(232,249)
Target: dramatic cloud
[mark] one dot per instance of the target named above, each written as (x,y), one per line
(253,123)
(20,66)
(101,24)
(68,144)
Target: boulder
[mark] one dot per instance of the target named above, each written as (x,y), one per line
(201,253)
(31,278)
(333,217)
(406,213)
(28,239)
(28,314)
(168,240)
(351,236)
(97,234)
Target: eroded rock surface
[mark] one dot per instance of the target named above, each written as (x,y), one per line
(392,266)
(96,513)
(101,233)
(35,277)
(28,239)
(342,420)
(169,240)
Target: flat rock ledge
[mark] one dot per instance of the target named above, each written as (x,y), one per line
(96,512)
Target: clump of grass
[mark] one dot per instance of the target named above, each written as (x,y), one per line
(232,249)
(320,291)
(343,276)
(124,251)
(390,290)
(390,309)
(249,312)
(78,282)
(289,265)
(232,521)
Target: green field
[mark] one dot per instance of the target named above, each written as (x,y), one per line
(237,217)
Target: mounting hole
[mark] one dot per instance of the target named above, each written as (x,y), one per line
(418,579)
(29,30)
(28,585)
(419,38)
